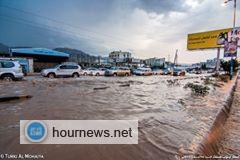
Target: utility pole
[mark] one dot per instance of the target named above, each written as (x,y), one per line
(234,25)
(176,58)
(218,60)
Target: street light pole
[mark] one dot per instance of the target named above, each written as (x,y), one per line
(234,14)
(234,11)
(234,25)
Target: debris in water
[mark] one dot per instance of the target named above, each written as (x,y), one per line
(99,88)
(173,82)
(181,101)
(9,98)
(125,85)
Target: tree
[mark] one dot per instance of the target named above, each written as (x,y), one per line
(226,65)
(203,67)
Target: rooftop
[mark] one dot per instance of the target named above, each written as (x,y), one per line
(39,51)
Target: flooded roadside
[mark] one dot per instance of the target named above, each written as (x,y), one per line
(172,121)
(230,143)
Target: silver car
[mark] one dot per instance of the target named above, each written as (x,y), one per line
(94,72)
(10,70)
(63,70)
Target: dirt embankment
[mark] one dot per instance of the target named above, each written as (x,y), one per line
(210,144)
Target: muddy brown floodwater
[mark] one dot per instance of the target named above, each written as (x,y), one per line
(172,121)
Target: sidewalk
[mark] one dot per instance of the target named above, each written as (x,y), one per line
(230,144)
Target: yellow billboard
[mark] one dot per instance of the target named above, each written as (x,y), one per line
(207,40)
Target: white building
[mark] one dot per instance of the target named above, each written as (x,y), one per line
(102,60)
(155,62)
(119,57)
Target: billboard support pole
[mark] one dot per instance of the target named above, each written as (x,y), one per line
(218,60)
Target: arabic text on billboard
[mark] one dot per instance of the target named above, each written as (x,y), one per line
(207,40)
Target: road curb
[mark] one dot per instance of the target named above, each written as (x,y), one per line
(209,145)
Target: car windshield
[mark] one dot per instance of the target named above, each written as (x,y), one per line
(113,68)
(57,66)
(177,69)
(145,69)
(124,68)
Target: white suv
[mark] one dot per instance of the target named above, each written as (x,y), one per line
(10,70)
(63,70)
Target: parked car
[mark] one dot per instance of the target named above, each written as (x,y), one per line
(143,71)
(157,72)
(94,72)
(166,71)
(178,72)
(118,71)
(100,72)
(10,70)
(198,71)
(63,70)
(210,71)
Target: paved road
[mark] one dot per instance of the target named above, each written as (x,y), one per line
(230,145)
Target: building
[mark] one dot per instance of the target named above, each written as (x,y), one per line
(135,62)
(40,58)
(79,56)
(196,65)
(211,63)
(102,61)
(119,57)
(155,62)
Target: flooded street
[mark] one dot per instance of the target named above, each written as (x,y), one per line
(172,121)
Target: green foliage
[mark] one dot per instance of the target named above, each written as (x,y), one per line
(223,78)
(197,88)
(2,52)
(226,65)
(208,81)
(204,67)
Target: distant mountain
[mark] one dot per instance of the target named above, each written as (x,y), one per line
(77,56)
(4,48)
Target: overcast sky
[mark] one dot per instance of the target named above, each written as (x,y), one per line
(147,28)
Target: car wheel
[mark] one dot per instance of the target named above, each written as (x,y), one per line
(97,74)
(8,77)
(51,75)
(126,74)
(85,73)
(75,75)
(115,74)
